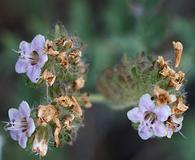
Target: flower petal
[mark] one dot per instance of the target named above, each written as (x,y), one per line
(13,114)
(159,129)
(144,131)
(22,141)
(25,48)
(177,120)
(178,128)
(14,135)
(145,103)
(38,43)
(21,65)
(42,59)
(134,115)
(33,73)
(162,112)
(169,132)
(24,109)
(31,127)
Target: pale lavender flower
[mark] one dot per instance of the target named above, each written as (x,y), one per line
(21,125)
(175,125)
(32,58)
(151,118)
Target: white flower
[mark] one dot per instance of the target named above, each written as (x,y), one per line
(173,124)
(150,118)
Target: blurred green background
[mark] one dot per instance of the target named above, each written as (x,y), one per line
(110,28)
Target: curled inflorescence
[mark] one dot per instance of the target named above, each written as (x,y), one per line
(57,64)
(155,86)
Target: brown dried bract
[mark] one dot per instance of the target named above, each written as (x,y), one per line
(57,131)
(49,77)
(49,48)
(162,63)
(46,113)
(166,71)
(76,107)
(78,84)
(68,121)
(82,67)
(178,50)
(176,80)
(64,101)
(162,96)
(85,99)
(75,55)
(62,42)
(180,107)
(70,102)
(63,59)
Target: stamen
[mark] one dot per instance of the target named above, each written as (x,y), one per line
(182,135)
(150,117)
(16,51)
(17,125)
(24,130)
(34,57)
(6,125)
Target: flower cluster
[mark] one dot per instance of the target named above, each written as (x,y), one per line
(161,113)
(155,86)
(57,64)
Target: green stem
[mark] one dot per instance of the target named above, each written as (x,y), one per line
(97,98)
(47,92)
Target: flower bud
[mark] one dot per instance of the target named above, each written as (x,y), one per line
(178,50)
(40,143)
